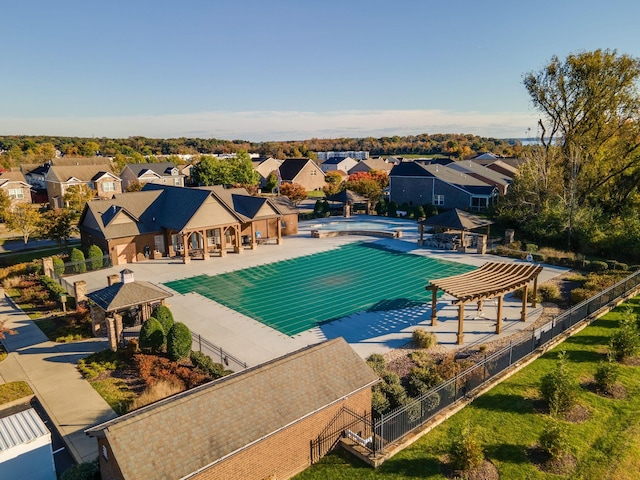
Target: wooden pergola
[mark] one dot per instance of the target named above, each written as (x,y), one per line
(493,279)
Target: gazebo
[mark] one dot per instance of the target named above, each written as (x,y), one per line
(493,279)
(348,198)
(108,303)
(458,220)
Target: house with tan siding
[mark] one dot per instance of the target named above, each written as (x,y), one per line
(15,186)
(303,171)
(252,425)
(58,179)
(163,173)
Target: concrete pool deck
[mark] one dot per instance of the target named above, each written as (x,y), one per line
(366,332)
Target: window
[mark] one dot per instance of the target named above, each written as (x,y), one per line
(313,173)
(438,200)
(176,181)
(16,193)
(109,186)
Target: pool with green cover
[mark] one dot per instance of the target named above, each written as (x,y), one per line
(295,295)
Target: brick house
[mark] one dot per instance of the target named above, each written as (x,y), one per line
(418,183)
(255,424)
(166,221)
(15,186)
(163,173)
(58,179)
(302,171)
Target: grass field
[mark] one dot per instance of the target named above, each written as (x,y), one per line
(511,417)
(295,295)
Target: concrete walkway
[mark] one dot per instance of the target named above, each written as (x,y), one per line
(50,370)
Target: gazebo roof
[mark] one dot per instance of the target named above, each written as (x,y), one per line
(490,280)
(124,295)
(347,196)
(456,220)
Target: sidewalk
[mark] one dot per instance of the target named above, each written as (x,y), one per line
(50,369)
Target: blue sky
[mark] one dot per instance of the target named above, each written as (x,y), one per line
(284,69)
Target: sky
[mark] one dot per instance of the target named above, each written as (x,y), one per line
(274,70)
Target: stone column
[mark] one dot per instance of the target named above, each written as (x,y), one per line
(80,291)
(47,266)
(97,321)
(111,333)
(509,235)
(117,320)
(482,244)
(111,279)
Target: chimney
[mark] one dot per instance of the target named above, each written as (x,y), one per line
(111,279)
(127,276)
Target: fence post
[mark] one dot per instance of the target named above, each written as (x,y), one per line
(510,351)
(199,342)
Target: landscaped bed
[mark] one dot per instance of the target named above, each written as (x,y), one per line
(509,420)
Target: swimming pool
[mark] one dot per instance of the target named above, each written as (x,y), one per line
(295,295)
(362,225)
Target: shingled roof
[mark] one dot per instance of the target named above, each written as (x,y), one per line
(84,173)
(197,428)
(124,295)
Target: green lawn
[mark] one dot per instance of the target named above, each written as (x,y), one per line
(11,258)
(13,391)
(510,419)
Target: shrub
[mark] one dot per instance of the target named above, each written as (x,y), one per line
(423,338)
(77,257)
(531,247)
(465,452)
(554,439)
(95,256)
(615,265)
(58,266)
(395,393)
(164,316)
(157,391)
(207,365)
(606,376)
(559,388)
(580,294)
(392,209)
(421,358)
(377,363)
(83,471)
(598,266)
(625,342)
(151,335)
(133,347)
(421,380)
(153,369)
(179,342)
(549,292)
(379,402)
(420,213)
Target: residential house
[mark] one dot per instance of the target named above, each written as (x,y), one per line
(67,161)
(358,155)
(302,171)
(172,221)
(266,166)
(164,173)
(487,175)
(15,186)
(59,178)
(417,183)
(378,164)
(338,163)
(252,425)
(35,175)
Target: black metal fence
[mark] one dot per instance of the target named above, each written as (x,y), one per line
(74,268)
(199,344)
(358,426)
(396,424)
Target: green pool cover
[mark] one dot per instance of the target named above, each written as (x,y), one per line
(298,294)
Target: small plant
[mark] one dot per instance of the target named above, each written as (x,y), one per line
(559,388)
(58,266)
(179,342)
(95,256)
(164,316)
(625,342)
(549,292)
(208,366)
(554,439)
(465,452)
(152,335)
(377,363)
(606,376)
(83,471)
(77,258)
(598,266)
(423,338)
(421,358)
(421,380)
(379,403)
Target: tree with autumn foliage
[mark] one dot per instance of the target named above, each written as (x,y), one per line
(334,183)
(370,185)
(25,218)
(294,192)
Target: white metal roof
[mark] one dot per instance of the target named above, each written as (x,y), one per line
(21,428)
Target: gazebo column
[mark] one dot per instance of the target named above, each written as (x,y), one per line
(279,229)
(523,316)
(434,303)
(254,241)
(238,245)
(499,321)
(205,246)
(480,306)
(460,340)
(223,241)
(534,300)
(185,248)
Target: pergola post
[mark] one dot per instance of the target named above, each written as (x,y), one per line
(460,340)
(185,247)
(534,300)
(480,305)
(223,241)
(523,316)
(205,247)
(434,303)
(499,322)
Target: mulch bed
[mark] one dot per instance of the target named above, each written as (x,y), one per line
(486,471)
(563,465)
(616,392)
(578,414)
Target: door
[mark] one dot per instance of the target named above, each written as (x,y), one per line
(126,253)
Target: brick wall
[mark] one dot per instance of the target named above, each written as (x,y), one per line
(286,453)
(109,469)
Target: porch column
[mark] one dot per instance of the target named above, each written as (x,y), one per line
(499,322)
(523,316)
(254,240)
(205,245)
(460,340)
(238,240)
(279,229)
(185,248)
(534,300)
(223,241)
